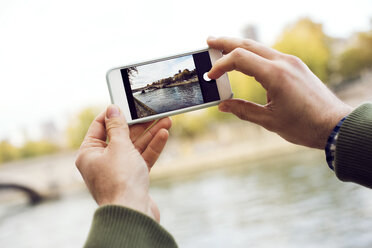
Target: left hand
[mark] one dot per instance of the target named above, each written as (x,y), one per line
(117,172)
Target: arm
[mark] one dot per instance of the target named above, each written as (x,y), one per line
(117,175)
(300,107)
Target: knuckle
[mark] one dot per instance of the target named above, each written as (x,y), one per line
(113,123)
(294,61)
(270,68)
(116,124)
(280,72)
(247,43)
(163,136)
(238,53)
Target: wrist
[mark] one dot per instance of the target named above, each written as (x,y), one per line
(134,197)
(330,123)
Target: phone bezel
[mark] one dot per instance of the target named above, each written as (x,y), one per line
(118,96)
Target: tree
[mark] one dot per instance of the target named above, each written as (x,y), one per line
(8,152)
(356,57)
(306,40)
(167,81)
(131,71)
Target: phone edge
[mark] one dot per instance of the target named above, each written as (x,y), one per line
(144,62)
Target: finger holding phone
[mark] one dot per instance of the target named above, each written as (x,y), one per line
(117,172)
(300,108)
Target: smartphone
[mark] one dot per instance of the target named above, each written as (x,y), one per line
(167,86)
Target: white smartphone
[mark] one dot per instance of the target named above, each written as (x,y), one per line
(167,86)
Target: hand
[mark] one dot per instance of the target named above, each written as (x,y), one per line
(117,172)
(300,108)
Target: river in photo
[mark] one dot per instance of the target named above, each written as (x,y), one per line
(168,99)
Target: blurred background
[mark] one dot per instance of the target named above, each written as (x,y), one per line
(220,182)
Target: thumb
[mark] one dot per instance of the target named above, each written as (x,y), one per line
(116,126)
(245,110)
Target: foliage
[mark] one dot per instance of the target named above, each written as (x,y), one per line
(357,57)
(79,126)
(306,40)
(75,134)
(184,75)
(189,125)
(131,71)
(166,81)
(37,148)
(247,88)
(8,152)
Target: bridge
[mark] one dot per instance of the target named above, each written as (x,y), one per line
(33,196)
(40,179)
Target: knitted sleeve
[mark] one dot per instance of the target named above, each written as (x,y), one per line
(353,156)
(116,226)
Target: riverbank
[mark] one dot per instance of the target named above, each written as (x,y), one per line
(191,81)
(162,86)
(142,109)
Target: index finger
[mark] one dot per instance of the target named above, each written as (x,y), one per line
(227,45)
(246,62)
(136,130)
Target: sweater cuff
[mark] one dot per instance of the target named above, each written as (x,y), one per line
(354,147)
(118,226)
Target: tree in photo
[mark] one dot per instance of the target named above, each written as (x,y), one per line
(131,72)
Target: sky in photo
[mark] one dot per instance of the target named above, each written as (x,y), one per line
(147,74)
(54,54)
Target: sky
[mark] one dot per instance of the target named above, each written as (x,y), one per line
(54,54)
(150,73)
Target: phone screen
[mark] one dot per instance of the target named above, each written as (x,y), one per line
(169,85)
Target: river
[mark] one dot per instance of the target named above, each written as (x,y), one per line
(286,203)
(167,99)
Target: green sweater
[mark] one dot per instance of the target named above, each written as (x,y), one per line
(116,226)
(354,147)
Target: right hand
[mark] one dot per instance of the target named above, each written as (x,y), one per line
(300,108)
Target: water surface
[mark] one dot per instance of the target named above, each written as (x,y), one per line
(168,99)
(284,203)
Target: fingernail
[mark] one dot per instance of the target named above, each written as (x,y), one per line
(113,111)
(223,108)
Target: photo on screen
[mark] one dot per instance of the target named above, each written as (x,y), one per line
(165,86)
